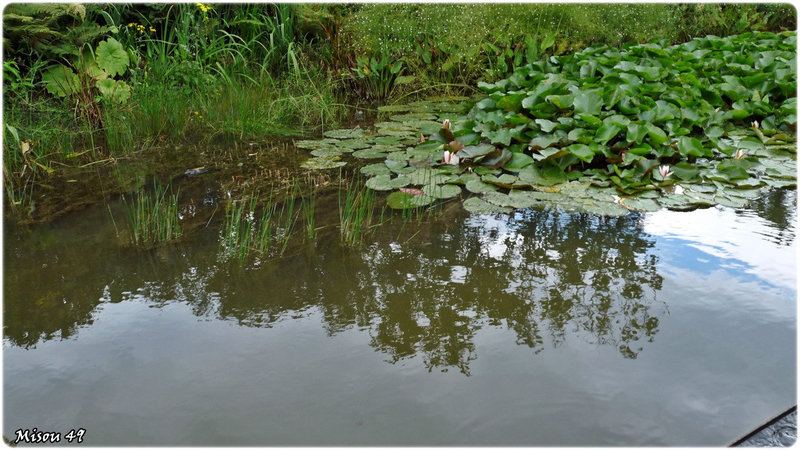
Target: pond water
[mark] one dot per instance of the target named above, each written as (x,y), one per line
(537,327)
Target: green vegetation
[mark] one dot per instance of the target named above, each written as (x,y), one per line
(717,115)
(153,217)
(86,84)
(245,232)
(356,208)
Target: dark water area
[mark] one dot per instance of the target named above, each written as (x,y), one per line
(538,327)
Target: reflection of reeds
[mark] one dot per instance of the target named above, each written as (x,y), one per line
(153,216)
(356,206)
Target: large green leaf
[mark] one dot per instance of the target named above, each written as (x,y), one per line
(517,162)
(588,103)
(114,91)
(689,146)
(112,57)
(61,81)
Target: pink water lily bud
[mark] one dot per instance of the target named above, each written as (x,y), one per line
(664,172)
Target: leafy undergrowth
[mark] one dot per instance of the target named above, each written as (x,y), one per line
(710,121)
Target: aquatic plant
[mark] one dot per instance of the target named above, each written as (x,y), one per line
(244,232)
(356,207)
(583,129)
(153,216)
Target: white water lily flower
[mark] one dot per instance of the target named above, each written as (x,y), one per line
(755,124)
(740,154)
(446,124)
(451,158)
(664,172)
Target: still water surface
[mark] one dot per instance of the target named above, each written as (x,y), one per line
(533,328)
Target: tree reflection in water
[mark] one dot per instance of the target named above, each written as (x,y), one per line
(545,275)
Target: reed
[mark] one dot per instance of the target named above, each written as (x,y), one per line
(153,217)
(356,209)
(244,232)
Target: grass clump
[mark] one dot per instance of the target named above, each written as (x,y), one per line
(244,232)
(356,208)
(153,217)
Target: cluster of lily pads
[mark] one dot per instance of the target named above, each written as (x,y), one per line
(605,130)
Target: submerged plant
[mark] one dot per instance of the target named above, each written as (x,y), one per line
(153,217)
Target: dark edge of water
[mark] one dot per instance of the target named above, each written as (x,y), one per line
(765,431)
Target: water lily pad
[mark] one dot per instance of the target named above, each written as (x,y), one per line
(400,200)
(354,144)
(422,200)
(398,166)
(515,199)
(518,162)
(327,152)
(428,176)
(731,201)
(387,183)
(478,186)
(395,108)
(370,153)
(388,140)
(477,205)
(376,169)
(323,162)
(606,209)
(641,204)
(475,151)
(344,133)
(408,117)
(395,126)
(441,190)
(313,144)
(398,156)
(505,180)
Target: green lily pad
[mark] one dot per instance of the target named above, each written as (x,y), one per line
(422,200)
(323,162)
(641,204)
(376,169)
(387,183)
(477,205)
(370,153)
(478,186)
(313,144)
(398,166)
(409,117)
(354,144)
(400,200)
(505,180)
(428,176)
(731,201)
(388,140)
(327,152)
(518,162)
(344,133)
(398,156)
(475,151)
(606,209)
(441,190)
